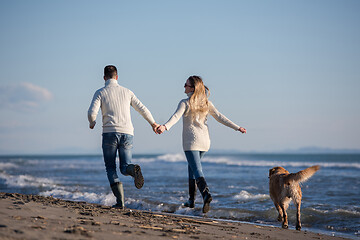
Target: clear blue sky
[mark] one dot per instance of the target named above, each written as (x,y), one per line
(288,71)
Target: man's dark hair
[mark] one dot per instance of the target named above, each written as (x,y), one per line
(110,71)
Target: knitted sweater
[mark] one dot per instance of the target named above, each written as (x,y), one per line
(195,133)
(115,102)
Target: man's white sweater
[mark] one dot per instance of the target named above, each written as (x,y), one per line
(115,101)
(195,133)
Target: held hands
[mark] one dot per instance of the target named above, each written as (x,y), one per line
(158,129)
(155,127)
(242,130)
(161,129)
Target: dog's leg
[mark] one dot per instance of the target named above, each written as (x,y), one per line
(297,203)
(280,218)
(296,197)
(285,220)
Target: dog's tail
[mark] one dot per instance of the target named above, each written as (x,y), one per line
(302,176)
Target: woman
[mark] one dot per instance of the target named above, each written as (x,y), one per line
(196,140)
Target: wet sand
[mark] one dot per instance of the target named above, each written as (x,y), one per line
(37,217)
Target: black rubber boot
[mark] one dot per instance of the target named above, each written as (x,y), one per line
(118,191)
(205,192)
(192,193)
(134,170)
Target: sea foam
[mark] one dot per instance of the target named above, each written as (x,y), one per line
(26,181)
(7,165)
(61,192)
(246,196)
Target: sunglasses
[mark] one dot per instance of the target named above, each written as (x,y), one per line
(188,85)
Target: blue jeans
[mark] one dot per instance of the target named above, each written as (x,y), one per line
(194,163)
(111,144)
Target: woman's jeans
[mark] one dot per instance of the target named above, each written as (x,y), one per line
(111,143)
(194,163)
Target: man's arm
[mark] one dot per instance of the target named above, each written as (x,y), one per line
(94,109)
(140,108)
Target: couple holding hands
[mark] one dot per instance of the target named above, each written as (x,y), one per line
(115,102)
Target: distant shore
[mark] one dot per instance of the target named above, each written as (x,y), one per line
(37,217)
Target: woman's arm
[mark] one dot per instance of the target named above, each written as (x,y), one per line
(224,120)
(175,117)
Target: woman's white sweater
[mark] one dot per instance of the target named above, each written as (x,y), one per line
(195,133)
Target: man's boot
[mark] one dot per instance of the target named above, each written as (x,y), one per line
(205,192)
(118,191)
(192,193)
(134,170)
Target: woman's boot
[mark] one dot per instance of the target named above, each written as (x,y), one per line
(134,170)
(118,191)
(192,193)
(205,192)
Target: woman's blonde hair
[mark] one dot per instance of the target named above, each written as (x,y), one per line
(199,104)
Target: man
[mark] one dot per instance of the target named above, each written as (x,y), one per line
(115,101)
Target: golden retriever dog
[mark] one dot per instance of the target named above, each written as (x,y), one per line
(284,186)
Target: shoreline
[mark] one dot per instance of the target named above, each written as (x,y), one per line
(25,216)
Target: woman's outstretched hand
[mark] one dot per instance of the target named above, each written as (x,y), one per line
(242,130)
(161,129)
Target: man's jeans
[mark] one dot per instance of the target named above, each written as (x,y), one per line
(111,143)
(194,163)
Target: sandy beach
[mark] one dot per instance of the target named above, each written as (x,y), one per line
(37,217)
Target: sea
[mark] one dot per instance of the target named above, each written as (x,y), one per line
(238,183)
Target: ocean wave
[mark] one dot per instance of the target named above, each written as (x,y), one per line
(26,181)
(150,205)
(172,157)
(68,164)
(104,199)
(340,211)
(262,163)
(349,212)
(178,157)
(246,196)
(145,159)
(251,163)
(7,165)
